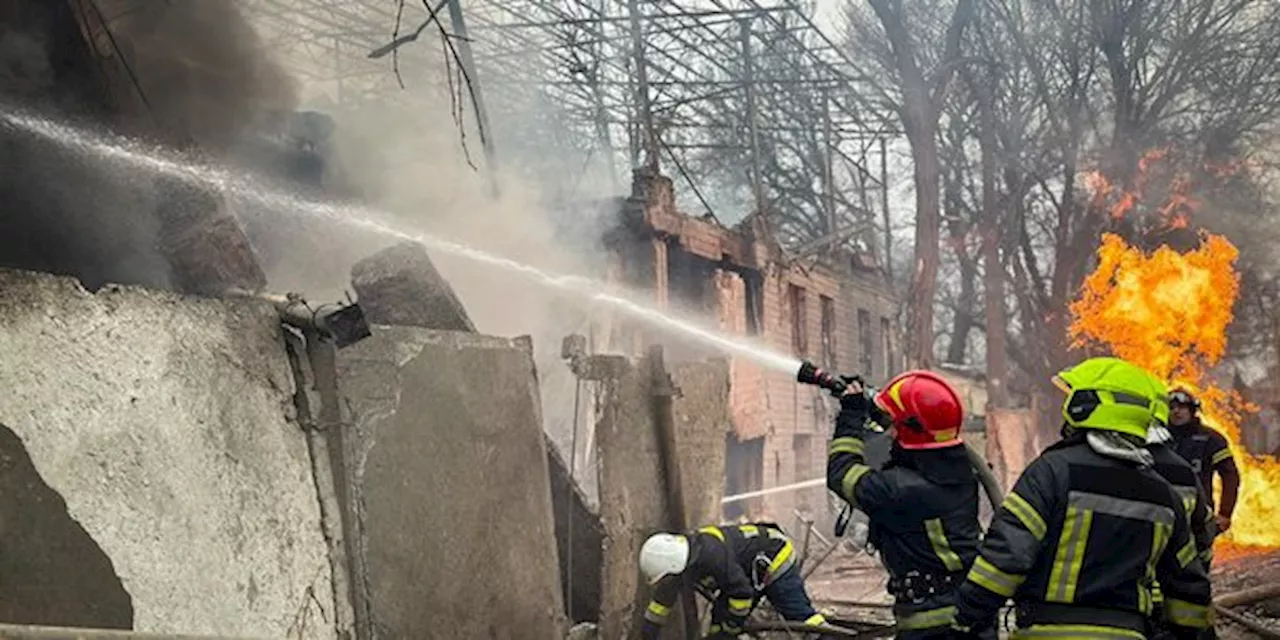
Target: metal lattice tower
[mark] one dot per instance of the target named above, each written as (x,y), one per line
(744,103)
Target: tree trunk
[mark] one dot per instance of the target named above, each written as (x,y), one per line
(963,323)
(921,100)
(924,150)
(963,320)
(993,270)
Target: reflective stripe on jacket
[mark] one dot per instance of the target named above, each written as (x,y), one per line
(923,512)
(1084,534)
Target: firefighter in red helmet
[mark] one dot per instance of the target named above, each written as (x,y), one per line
(922,505)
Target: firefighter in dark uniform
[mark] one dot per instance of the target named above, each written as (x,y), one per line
(1090,526)
(1208,453)
(1178,472)
(733,566)
(922,505)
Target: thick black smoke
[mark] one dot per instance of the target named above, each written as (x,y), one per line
(185,72)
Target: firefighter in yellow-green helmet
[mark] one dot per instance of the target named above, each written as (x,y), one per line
(1090,526)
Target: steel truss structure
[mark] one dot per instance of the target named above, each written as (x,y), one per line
(751,106)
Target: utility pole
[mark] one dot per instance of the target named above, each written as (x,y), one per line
(884,206)
(468,62)
(649,137)
(603,137)
(749,88)
(828,169)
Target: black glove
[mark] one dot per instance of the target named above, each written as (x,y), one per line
(855,409)
(855,400)
(863,403)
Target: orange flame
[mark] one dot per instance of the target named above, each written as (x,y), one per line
(1169,312)
(1172,177)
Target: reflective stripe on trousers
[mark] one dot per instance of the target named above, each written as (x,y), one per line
(657,613)
(942,616)
(1076,632)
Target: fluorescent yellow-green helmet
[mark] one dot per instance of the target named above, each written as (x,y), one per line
(1160,410)
(1113,395)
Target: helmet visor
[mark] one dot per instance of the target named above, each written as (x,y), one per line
(1183,398)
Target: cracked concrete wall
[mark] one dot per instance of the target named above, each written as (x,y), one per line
(702,421)
(451,483)
(633,503)
(166,425)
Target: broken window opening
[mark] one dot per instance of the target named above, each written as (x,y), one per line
(801,446)
(744,472)
(865,345)
(828,333)
(753,285)
(691,290)
(690,281)
(886,345)
(799,320)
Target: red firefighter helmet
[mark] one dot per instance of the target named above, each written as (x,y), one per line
(924,408)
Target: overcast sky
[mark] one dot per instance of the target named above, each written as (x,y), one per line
(828,16)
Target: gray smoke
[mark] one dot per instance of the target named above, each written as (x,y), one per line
(179,71)
(201,66)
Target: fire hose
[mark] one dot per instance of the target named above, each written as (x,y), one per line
(837,385)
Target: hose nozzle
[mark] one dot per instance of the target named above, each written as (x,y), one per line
(810,374)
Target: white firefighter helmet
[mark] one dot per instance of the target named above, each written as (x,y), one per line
(663,554)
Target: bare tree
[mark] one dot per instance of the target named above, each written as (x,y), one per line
(1056,94)
(919,72)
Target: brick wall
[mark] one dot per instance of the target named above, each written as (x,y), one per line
(765,402)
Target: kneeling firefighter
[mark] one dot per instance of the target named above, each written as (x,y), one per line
(923,505)
(1090,526)
(733,566)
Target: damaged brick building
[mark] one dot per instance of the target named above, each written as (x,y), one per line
(835,309)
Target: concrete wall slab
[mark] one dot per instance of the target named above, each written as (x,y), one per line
(166,425)
(451,481)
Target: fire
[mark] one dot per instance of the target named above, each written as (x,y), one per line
(1168,312)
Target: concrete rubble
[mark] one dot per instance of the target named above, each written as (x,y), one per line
(168,484)
(210,466)
(163,445)
(451,486)
(400,286)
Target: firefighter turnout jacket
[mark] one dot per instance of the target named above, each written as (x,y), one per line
(923,512)
(1078,544)
(1178,472)
(1206,450)
(730,565)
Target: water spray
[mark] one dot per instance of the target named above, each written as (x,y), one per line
(161,161)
